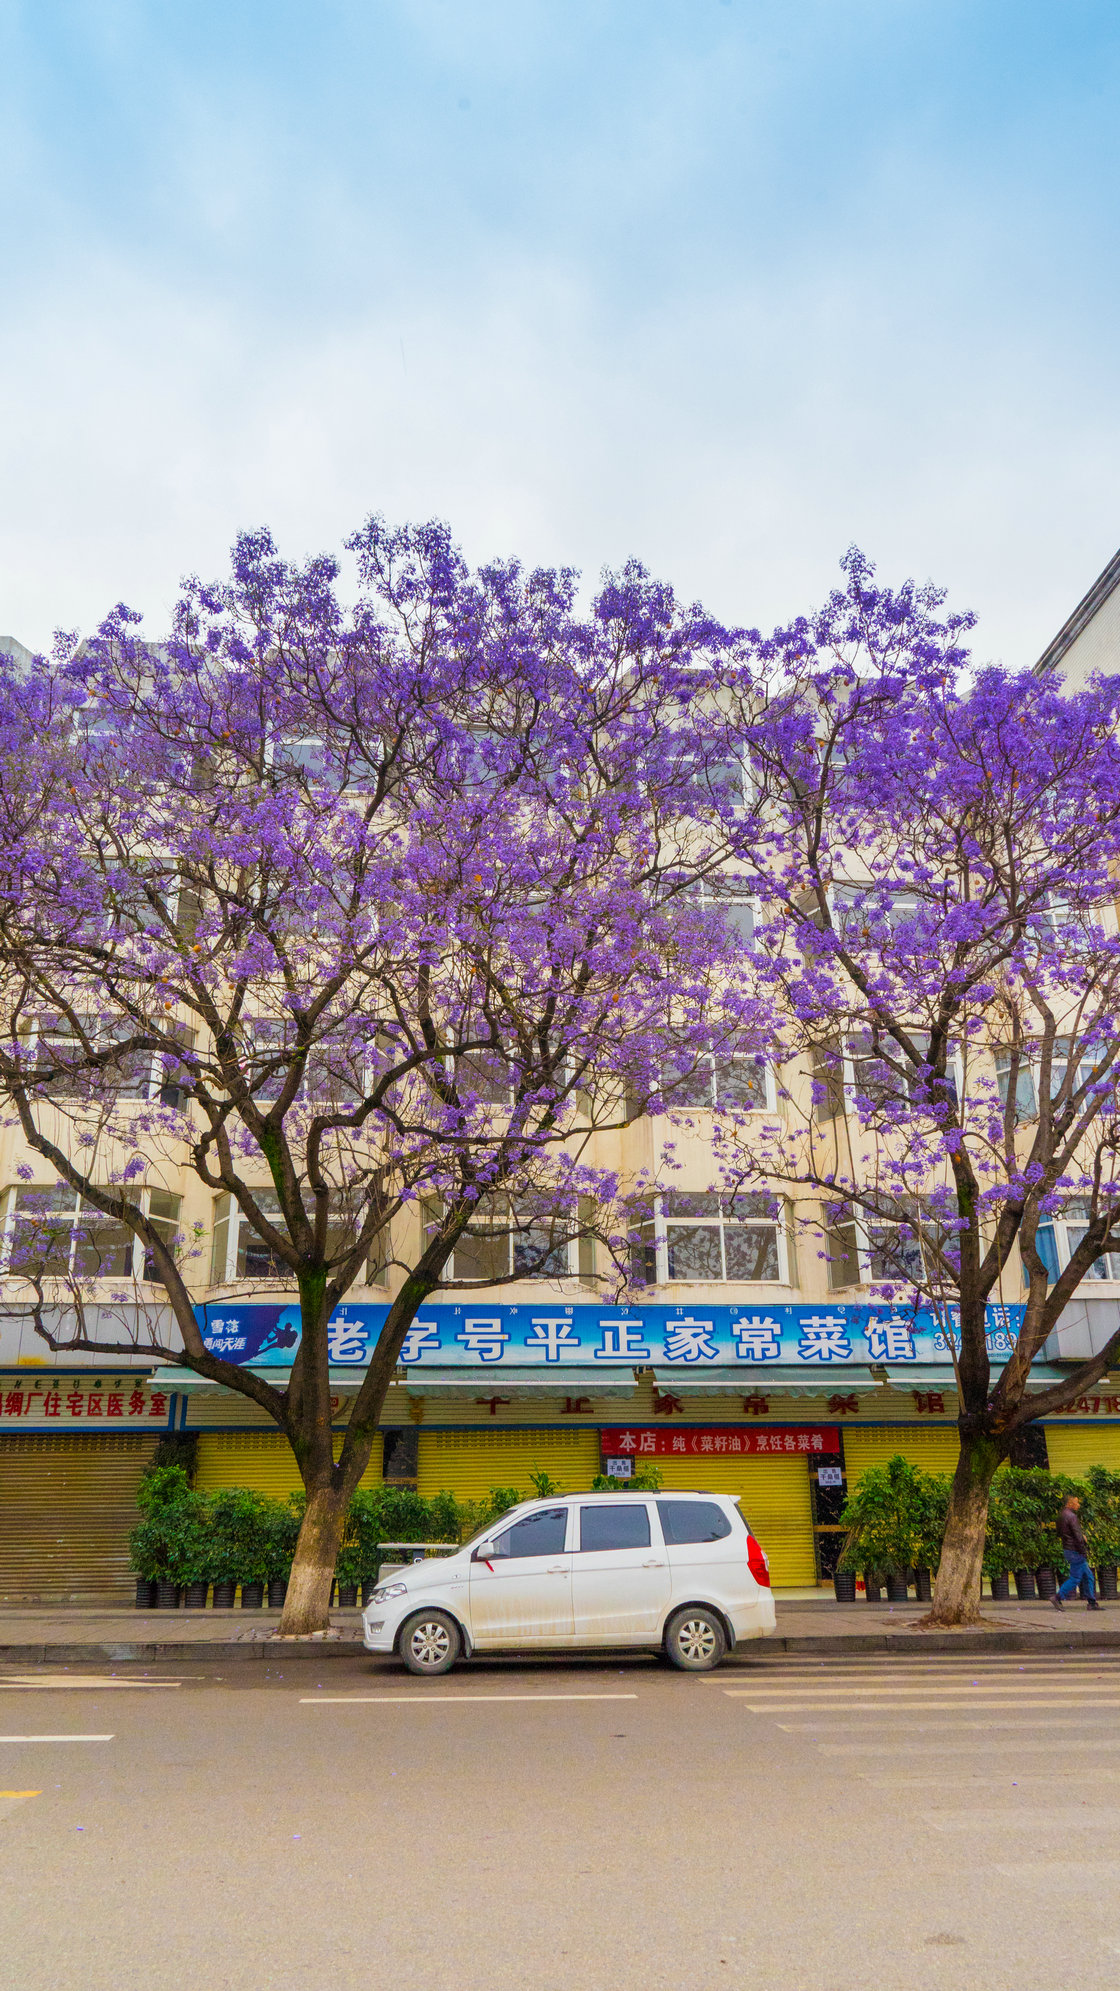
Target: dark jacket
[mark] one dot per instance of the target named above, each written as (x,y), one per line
(1070,1532)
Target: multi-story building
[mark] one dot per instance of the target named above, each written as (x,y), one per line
(753,1362)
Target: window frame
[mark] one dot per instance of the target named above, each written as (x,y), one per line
(137,1272)
(654,1238)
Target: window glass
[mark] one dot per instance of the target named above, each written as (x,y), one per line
(692,1521)
(538,1534)
(615,1525)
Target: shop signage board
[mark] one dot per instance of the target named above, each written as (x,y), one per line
(716,1441)
(690,1338)
(49,1402)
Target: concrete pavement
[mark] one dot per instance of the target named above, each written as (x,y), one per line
(809,1625)
(912,1823)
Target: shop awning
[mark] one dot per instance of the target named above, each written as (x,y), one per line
(513,1382)
(924,1377)
(761,1380)
(185,1380)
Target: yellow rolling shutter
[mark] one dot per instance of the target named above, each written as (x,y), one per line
(1071,1447)
(933,1447)
(469,1463)
(775,1503)
(263,1460)
(66,1507)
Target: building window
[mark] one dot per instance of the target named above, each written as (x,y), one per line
(1059,1236)
(718,1079)
(872,1252)
(508,1239)
(699,1236)
(727,892)
(239,1252)
(148,1075)
(1027,1085)
(52,1234)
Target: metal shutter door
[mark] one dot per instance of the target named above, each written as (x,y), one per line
(66,1508)
(775,1503)
(469,1463)
(936,1450)
(1071,1447)
(262,1460)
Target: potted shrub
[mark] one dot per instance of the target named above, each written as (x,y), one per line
(165,1539)
(1101,1519)
(237,1544)
(283,1525)
(883,1515)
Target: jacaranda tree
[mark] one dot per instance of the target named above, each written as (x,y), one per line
(940,936)
(377,918)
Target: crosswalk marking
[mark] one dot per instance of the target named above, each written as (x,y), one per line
(906,1747)
(759,1695)
(923,1707)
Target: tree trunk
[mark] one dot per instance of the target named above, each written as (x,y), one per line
(308,1602)
(956,1594)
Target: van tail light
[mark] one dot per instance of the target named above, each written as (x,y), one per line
(757,1563)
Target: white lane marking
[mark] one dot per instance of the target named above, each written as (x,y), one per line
(1016,1818)
(842,1693)
(56,1738)
(422,1700)
(894,1722)
(1067,1745)
(26,1683)
(926,1707)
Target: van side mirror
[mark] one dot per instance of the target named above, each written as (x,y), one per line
(483,1552)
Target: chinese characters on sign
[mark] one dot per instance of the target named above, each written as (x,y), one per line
(717,1442)
(494,1334)
(49,1402)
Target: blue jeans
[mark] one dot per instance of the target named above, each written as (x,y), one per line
(1078,1568)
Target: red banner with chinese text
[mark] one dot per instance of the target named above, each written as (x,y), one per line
(665,1442)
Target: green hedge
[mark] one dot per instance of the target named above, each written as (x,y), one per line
(236,1535)
(895,1516)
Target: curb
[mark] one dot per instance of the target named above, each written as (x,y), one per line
(208,1649)
(827,1645)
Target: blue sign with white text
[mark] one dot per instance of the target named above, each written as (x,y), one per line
(449,1334)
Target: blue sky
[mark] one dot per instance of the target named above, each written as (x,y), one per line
(723,284)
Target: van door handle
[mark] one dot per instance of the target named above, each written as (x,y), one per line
(560,1570)
(653,1565)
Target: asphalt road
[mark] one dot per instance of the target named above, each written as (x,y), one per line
(818,1825)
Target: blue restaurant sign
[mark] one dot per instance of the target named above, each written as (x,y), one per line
(463,1333)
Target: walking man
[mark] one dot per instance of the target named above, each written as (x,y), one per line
(1075,1549)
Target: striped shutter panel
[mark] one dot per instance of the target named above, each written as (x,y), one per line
(468,1463)
(1071,1447)
(775,1503)
(262,1460)
(933,1447)
(67,1505)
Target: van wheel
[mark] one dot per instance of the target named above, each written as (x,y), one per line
(695,1640)
(430,1643)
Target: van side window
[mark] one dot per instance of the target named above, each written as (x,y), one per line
(692,1521)
(615,1525)
(538,1534)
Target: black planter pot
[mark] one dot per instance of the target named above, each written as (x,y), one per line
(146,1593)
(1106,1583)
(873,1588)
(1001,1588)
(167,1596)
(252,1596)
(194,1597)
(1047,1582)
(844,1584)
(897,1589)
(277,1591)
(1025,1585)
(223,1596)
(347,1595)
(923,1585)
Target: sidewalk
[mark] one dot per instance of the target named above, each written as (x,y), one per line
(70,1634)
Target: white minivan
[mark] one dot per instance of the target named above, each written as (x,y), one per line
(673,1572)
